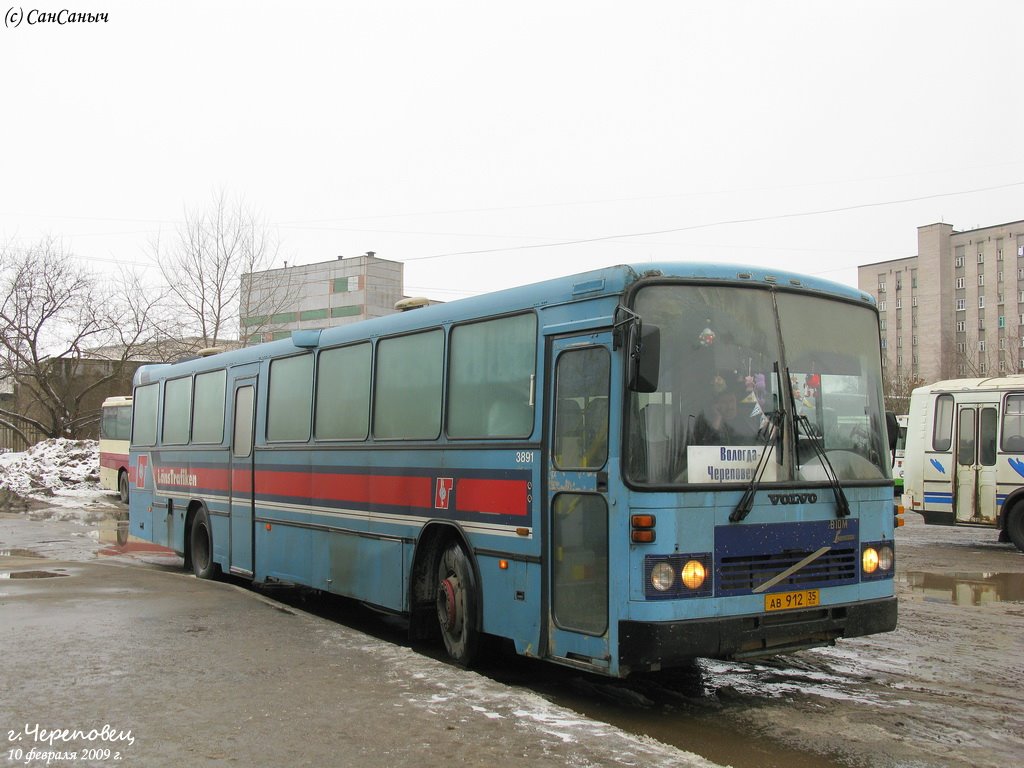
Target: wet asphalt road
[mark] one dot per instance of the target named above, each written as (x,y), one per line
(218,674)
(157,668)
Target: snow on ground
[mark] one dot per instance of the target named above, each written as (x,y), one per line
(51,465)
(58,473)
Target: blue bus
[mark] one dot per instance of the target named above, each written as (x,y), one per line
(617,471)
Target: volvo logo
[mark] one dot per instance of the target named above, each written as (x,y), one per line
(792,498)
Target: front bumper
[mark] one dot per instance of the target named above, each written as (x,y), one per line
(657,645)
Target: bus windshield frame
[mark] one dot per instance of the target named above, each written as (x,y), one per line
(750,370)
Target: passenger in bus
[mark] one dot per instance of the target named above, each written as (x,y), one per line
(720,423)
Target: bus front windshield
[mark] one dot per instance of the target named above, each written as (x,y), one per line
(732,360)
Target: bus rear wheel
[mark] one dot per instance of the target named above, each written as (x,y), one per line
(201,547)
(1015,527)
(457,605)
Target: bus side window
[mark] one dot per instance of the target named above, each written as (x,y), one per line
(966,448)
(942,434)
(568,433)
(1013,424)
(987,437)
(581,409)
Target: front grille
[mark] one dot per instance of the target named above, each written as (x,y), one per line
(741,574)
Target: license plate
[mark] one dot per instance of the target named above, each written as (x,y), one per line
(785,601)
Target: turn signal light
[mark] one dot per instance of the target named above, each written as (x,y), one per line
(642,529)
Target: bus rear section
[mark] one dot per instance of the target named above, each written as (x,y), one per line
(115,433)
(964,460)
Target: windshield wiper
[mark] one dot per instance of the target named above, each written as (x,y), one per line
(842,504)
(746,502)
(772,436)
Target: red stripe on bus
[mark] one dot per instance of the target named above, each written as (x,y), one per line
(241,481)
(113,460)
(473,495)
(494,497)
(390,490)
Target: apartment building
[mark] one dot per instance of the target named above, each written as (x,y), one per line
(956,308)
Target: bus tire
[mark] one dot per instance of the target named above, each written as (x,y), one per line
(122,486)
(201,547)
(457,604)
(1015,526)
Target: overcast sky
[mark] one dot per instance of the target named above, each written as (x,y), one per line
(479,142)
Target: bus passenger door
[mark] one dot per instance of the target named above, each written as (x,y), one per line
(577,505)
(241,477)
(975,496)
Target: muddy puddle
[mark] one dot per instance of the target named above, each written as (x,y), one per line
(30,574)
(965,588)
(689,709)
(18,553)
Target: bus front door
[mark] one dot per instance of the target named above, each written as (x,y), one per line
(975,494)
(241,477)
(578,576)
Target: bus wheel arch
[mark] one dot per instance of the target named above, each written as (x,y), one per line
(199,542)
(445,597)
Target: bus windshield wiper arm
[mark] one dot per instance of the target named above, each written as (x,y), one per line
(772,437)
(842,504)
(746,502)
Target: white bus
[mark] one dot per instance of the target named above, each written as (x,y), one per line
(964,455)
(115,432)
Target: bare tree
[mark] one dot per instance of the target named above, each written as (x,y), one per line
(896,389)
(269,301)
(978,357)
(53,315)
(204,263)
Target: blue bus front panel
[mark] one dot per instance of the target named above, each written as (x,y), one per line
(788,576)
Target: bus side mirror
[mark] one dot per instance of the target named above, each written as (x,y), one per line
(892,427)
(644,361)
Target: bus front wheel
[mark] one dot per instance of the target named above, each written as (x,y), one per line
(457,604)
(201,547)
(1015,527)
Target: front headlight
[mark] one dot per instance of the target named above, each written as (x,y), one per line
(679,575)
(662,577)
(869,560)
(885,558)
(877,560)
(694,574)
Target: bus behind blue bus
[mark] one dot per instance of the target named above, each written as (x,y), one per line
(616,471)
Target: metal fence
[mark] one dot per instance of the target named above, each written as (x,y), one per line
(12,441)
